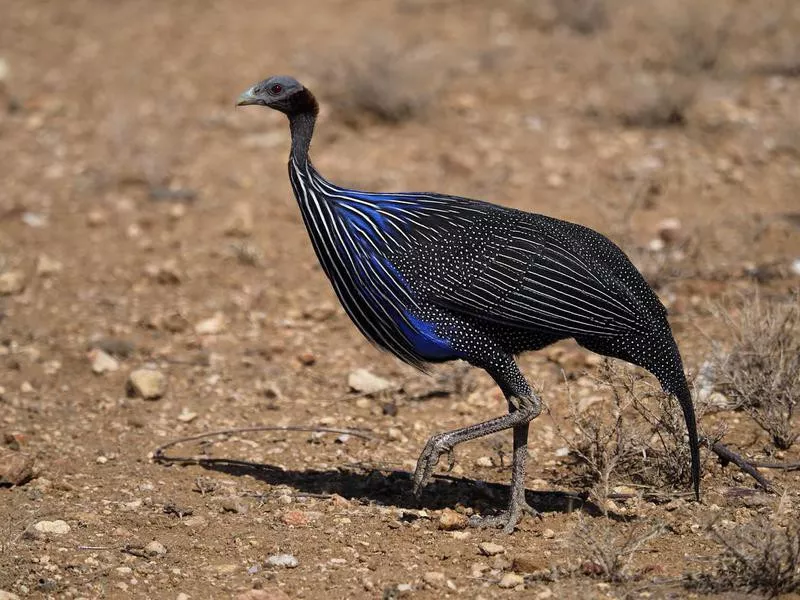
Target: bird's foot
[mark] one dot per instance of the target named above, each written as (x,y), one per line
(436,446)
(508,519)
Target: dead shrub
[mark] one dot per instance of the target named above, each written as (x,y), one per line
(380,82)
(758,557)
(699,32)
(760,372)
(651,101)
(607,548)
(634,433)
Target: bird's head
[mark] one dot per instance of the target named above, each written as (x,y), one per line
(281,93)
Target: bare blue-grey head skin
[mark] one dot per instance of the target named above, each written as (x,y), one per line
(287,95)
(432,278)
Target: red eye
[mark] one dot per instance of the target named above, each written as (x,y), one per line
(276,89)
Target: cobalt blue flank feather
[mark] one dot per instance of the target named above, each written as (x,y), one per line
(433,278)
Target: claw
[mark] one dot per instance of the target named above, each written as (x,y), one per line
(451,459)
(508,519)
(428,460)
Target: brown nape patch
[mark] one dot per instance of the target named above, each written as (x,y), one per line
(305,102)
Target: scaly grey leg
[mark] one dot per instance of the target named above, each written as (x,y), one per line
(522,412)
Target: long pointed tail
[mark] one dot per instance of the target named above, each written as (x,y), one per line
(675,384)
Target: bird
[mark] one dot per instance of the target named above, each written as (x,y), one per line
(433,278)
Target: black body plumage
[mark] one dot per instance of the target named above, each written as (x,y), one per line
(432,278)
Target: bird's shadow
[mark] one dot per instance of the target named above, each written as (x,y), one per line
(391,487)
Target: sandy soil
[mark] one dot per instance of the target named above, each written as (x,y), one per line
(142,214)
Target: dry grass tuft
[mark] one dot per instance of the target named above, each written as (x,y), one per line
(760,373)
(758,557)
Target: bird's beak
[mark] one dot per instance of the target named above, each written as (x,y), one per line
(247,98)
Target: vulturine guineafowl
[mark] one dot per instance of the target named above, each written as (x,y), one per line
(433,278)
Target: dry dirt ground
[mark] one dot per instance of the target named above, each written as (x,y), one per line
(142,214)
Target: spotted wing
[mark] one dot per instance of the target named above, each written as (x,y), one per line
(542,275)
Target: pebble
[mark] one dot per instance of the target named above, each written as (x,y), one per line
(795,268)
(295,518)
(241,220)
(211,326)
(283,560)
(147,383)
(548,534)
(4,595)
(34,220)
(484,461)
(669,230)
(12,282)
(307,358)
(116,347)
(528,563)
(46,266)
(490,548)
(186,415)
(182,596)
(511,580)
(15,467)
(434,579)
(451,520)
(155,548)
(57,527)
(102,362)
(233,504)
(365,382)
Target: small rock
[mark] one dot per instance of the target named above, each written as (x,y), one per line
(4,595)
(46,266)
(435,579)
(544,594)
(307,358)
(490,548)
(287,561)
(365,382)
(295,518)
(233,504)
(484,461)
(669,230)
(451,520)
(34,220)
(395,434)
(241,220)
(116,347)
(795,268)
(147,383)
(15,467)
(528,563)
(186,415)
(57,527)
(476,570)
(12,282)
(26,387)
(182,596)
(196,522)
(211,326)
(96,218)
(102,362)
(548,534)
(155,548)
(511,580)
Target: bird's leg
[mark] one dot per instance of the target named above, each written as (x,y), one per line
(517,506)
(443,443)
